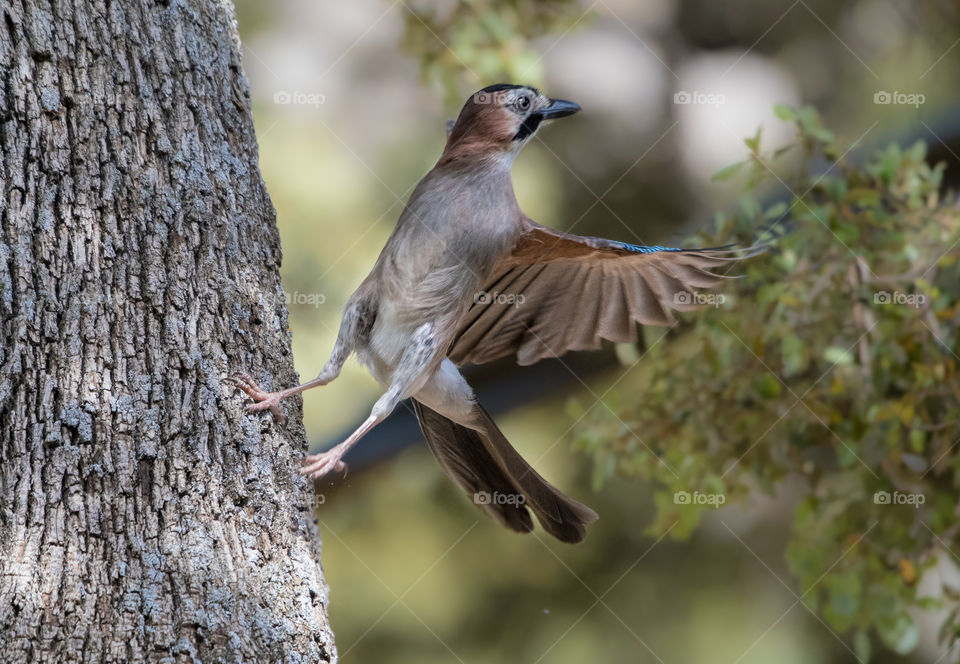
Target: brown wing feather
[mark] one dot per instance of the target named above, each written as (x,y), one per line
(558,292)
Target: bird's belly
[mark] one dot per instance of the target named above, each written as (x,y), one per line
(448,393)
(390,336)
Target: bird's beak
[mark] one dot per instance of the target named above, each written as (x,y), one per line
(559,108)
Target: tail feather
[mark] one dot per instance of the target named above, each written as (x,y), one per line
(484,463)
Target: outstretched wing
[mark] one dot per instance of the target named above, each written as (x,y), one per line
(558,292)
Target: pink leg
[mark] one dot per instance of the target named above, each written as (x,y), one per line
(318,465)
(407,377)
(341,350)
(271,400)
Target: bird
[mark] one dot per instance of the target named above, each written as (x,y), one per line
(466,278)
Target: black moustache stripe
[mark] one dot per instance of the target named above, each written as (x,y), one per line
(529,126)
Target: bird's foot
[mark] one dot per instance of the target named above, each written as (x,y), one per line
(316,466)
(264,400)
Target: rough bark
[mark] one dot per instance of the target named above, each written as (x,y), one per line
(143,515)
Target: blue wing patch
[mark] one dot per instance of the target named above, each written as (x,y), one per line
(645,249)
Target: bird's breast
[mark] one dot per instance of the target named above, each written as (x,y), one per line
(452,233)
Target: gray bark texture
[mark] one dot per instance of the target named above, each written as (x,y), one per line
(144,516)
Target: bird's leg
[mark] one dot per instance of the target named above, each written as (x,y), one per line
(271,400)
(408,377)
(345,344)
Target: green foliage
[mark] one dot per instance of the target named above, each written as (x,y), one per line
(483,41)
(833,360)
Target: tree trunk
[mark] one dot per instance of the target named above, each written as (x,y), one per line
(144,516)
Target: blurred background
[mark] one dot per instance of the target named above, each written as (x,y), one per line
(350,105)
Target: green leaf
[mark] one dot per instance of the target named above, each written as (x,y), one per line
(899,633)
(768,386)
(809,118)
(753,143)
(847,233)
(727,172)
(847,455)
(843,592)
(750,207)
(776,210)
(864,197)
(784,112)
(929,603)
(795,355)
(838,355)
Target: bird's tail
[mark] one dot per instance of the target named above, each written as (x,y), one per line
(484,463)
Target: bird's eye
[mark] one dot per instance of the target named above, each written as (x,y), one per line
(523,103)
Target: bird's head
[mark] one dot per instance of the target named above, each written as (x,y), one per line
(499,120)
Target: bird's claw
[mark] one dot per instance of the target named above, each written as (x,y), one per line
(247,385)
(316,466)
(264,400)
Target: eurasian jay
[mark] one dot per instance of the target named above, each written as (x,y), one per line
(466,277)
